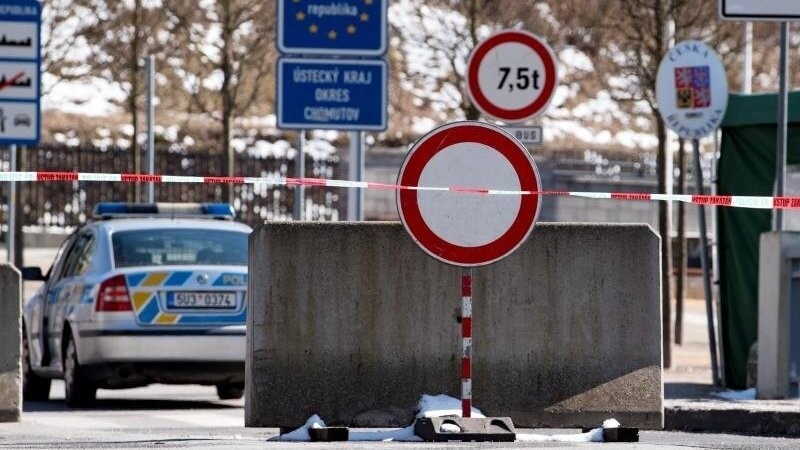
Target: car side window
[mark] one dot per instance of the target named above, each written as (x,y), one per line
(74,261)
(58,262)
(83,256)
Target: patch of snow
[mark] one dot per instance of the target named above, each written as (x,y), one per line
(595,435)
(301,434)
(576,59)
(422,125)
(239,145)
(747,394)
(402,435)
(93,97)
(319,149)
(442,405)
(611,423)
(328,135)
(123,143)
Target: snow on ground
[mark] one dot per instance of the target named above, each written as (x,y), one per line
(439,406)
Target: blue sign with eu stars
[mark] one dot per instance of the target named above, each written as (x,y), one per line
(337,94)
(332,27)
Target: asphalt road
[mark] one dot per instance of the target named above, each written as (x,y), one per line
(189,417)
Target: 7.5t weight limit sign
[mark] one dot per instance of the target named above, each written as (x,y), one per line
(512,76)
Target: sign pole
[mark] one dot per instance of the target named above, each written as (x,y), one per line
(355,197)
(466,342)
(151,112)
(12,207)
(783,106)
(361,169)
(701,215)
(300,172)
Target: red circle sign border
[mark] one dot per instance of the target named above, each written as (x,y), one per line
(480,100)
(497,139)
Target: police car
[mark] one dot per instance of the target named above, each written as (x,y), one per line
(145,293)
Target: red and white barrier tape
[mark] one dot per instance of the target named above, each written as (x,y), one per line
(737,201)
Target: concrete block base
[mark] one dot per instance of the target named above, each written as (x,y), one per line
(354,322)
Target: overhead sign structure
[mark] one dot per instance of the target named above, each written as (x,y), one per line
(778,10)
(692,89)
(20,66)
(467,229)
(512,76)
(340,28)
(338,94)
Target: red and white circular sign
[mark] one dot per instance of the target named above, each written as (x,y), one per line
(468,229)
(512,76)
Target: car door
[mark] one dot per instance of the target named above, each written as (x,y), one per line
(38,323)
(69,289)
(60,291)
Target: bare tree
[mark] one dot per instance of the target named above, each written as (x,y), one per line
(227,58)
(124,33)
(63,24)
(639,40)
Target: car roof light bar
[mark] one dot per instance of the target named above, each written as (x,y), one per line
(171,210)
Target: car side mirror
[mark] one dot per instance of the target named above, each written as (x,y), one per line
(33,274)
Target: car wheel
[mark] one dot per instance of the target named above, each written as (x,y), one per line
(230,391)
(34,387)
(78,390)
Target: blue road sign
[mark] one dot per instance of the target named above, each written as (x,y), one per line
(325,27)
(338,94)
(20,68)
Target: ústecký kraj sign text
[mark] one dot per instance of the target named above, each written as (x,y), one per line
(335,94)
(692,90)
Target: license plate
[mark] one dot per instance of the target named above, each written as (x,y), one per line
(210,300)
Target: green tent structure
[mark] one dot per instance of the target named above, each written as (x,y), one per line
(747,167)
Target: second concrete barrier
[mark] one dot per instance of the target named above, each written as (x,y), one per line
(354,322)
(10,344)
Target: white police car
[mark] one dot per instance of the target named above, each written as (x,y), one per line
(145,293)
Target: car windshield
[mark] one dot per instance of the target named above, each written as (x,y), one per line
(179,246)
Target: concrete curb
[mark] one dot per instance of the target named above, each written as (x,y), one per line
(729,417)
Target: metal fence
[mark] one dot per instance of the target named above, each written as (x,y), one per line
(67,204)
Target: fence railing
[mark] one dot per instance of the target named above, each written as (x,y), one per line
(68,204)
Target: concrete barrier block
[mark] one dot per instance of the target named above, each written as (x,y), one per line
(354,322)
(10,344)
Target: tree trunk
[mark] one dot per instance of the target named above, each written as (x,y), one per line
(136,45)
(137,157)
(226,65)
(666,250)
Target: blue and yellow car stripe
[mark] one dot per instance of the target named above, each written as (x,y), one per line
(148,310)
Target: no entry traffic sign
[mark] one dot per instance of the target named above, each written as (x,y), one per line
(512,76)
(468,229)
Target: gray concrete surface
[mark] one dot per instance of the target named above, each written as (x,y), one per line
(354,322)
(776,312)
(10,344)
(690,403)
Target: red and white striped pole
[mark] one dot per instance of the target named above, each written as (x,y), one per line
(466,342)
